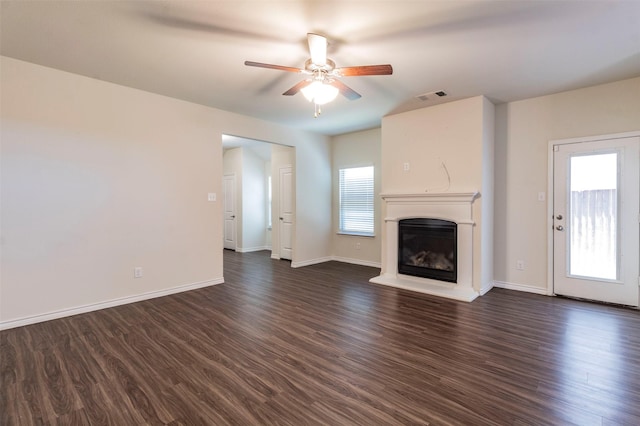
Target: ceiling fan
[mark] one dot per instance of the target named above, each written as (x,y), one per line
(322,85)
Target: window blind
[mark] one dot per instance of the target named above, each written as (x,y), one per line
(356,201)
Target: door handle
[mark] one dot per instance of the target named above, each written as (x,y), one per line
(560,228)
(559,217)
(233,216)
(281,218)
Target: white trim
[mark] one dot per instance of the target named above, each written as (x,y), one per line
(521,287)
(310,262)
(251,249)
(594,138)
(357,261)
(448,197)
(4,325)
(237,213)
(486,288)
(548,290)
(336,259)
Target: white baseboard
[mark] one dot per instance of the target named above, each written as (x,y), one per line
(357,261)
(251,249)
(485,289)
(520,287)
(337,259)
(5,325)
(310,262)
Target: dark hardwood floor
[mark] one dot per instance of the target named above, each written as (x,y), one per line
(321,346)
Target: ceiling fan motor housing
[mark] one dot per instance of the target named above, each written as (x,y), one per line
(327,67)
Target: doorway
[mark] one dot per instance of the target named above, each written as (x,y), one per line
(595,213)
(253,198)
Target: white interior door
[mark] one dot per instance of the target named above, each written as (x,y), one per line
(286,212)
(230,212)
(595,220)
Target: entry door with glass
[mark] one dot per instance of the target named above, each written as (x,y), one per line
(595,220)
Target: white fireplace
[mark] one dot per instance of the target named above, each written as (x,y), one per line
(453,207)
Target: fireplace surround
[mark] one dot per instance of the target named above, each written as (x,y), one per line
(454,208)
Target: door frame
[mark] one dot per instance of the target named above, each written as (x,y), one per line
(550,192)
(281,194)
(235,210)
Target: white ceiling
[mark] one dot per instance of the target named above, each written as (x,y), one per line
(195,50)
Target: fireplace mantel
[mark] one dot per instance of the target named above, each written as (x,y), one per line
(451,206)
(452,197)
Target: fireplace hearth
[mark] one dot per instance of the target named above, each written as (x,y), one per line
(427,248)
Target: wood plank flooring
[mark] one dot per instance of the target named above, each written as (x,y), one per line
(321,346)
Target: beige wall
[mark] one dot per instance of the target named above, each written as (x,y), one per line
(313,204)
(523,132)
(355,150)
(99,178)
(448,148)
(450,133)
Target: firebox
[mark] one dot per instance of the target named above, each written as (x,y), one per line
(427,248)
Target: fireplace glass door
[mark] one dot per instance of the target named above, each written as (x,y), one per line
(427,248)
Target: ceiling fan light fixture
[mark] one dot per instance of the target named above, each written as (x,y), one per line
(323,85)
(320,93)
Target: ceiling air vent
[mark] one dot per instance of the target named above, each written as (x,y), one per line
(432,95)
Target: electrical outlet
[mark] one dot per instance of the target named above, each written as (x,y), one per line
(357,246)
(520,265)
(406,167)
(137,272)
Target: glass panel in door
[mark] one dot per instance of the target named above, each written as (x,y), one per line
(593,220)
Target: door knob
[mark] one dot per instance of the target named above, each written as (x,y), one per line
(233,217)
(281,218)
(560,228)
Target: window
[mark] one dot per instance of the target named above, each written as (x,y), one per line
(356,201)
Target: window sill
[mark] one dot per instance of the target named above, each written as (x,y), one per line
(356,234)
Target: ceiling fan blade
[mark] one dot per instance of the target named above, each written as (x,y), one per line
(364,70)
(273,67)
(345,90)
(295,89)
(317,48)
